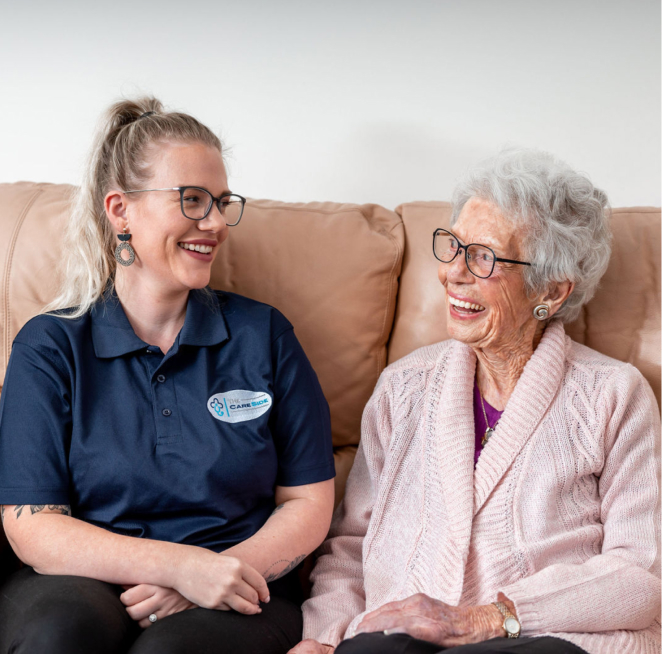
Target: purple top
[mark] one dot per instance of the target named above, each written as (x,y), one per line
(479,420)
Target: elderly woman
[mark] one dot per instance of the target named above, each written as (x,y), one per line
(506,484)
(165,450)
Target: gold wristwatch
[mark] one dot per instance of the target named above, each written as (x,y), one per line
(511,624)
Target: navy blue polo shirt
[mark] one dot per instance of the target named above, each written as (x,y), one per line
(186,447)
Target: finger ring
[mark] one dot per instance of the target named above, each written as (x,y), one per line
(153,617)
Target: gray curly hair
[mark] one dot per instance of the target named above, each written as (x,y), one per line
(565,219)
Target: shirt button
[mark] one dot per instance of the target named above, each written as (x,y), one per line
(160,378)
(166,412)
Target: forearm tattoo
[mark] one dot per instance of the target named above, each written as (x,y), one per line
(63,509)
(277,509)
(269,577)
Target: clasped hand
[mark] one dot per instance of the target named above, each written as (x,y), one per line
(207,580)
(143,600)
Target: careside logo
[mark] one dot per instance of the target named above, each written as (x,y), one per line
(239,405)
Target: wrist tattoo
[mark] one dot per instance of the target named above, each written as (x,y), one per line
(269,577)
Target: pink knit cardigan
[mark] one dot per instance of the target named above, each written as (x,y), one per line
(561,513)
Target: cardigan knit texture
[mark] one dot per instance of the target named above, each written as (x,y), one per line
(561,513)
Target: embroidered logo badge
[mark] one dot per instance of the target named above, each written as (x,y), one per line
(239,405)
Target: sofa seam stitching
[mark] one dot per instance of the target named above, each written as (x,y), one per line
(352,209)
(398,251)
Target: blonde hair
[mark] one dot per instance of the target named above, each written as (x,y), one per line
(117,160)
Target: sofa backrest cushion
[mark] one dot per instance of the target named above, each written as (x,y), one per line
(331,268)
(32,220)
(622,320)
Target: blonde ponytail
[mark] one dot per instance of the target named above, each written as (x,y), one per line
(117,160)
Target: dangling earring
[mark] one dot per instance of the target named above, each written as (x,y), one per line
(124,245)
(541,312)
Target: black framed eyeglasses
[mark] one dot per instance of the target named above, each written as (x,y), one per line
(197,202)
(480,259)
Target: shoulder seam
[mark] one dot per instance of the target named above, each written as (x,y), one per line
(44,351)
(288,328)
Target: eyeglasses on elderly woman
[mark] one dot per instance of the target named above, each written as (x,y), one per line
(480,259)
(196,203)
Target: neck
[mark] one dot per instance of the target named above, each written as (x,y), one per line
(499,368)
(155,314)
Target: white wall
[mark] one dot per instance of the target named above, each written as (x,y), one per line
(360,101)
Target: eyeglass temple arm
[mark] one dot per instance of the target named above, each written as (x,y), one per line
(521,263)
(144,190)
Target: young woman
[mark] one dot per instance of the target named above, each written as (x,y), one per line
(165,450)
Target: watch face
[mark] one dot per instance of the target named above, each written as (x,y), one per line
(511,625)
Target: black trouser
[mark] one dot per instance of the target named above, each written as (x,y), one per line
(52,614)
(378,643)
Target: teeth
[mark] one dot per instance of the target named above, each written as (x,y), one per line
(204,249)
(465,305)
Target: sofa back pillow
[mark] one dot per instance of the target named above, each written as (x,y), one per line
(332,269)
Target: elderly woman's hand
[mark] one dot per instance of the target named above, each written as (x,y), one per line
(428,619)
(310,646)
(143,600)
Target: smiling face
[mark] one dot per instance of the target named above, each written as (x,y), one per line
(493,312)
(163,239)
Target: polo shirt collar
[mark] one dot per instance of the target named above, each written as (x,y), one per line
(204,324)
(113,335)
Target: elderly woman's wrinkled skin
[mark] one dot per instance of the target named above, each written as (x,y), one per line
(503,335)
(425,618)
(428,619)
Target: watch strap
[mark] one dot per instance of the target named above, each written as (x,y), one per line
(508,616)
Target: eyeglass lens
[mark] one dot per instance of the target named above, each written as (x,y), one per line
(196,205)
(480,259)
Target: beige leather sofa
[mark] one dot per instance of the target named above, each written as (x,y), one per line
(359,283)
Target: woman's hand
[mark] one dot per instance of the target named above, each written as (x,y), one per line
(143,600)
(310,646)
(216,581)
(422,617)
